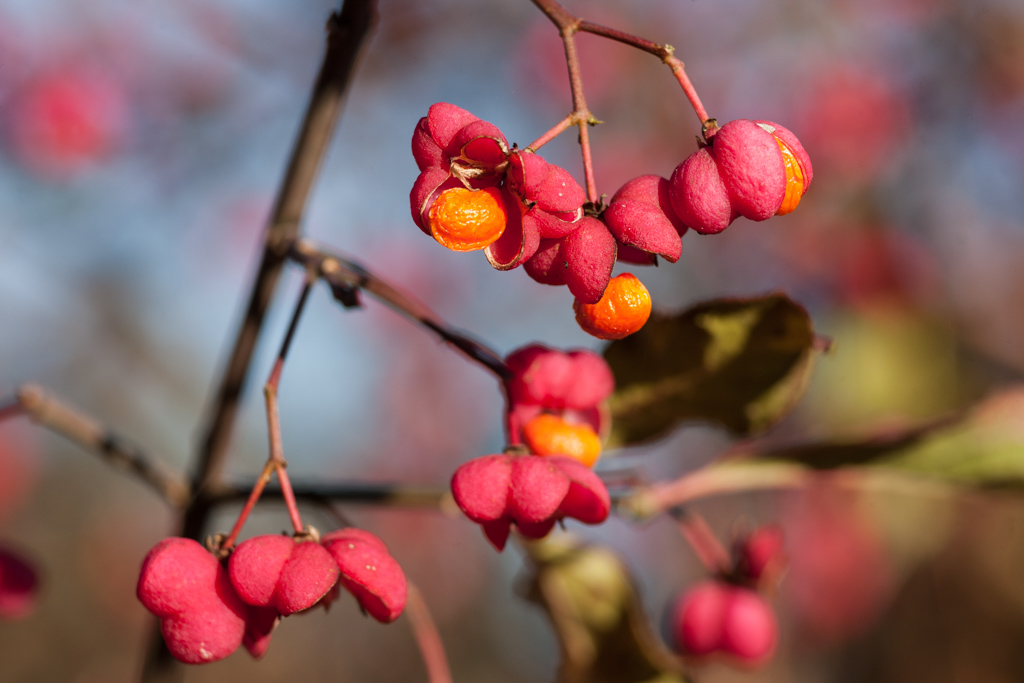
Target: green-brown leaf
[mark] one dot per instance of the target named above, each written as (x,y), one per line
(740,363)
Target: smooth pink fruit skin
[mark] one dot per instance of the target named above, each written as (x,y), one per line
(520,240)
(751,166)
(425,151)
(259,626)
(481,487)
(536,529)
(19,586)
(480,142)
(587,498)
(699,196)
(527,171)
(177,574)
(428,185)
(559,193)
(784,134)
(589,255)
(640,215)
(554,225)
(628,254)
(497,532)
(749,631)
(372,576)
(645,227)
(206,635)
(700,617)
(353,533)
(654,190)
(537,488)
(592,380)
(307,576)
(544,266)
(202,618)
(255,567)
(444,120)
(540,375)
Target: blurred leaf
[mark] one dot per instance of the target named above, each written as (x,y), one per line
(603,632)
(741,363)
(980,447)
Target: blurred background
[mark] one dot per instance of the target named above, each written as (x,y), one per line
(141,145)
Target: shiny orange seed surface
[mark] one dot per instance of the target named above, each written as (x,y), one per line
(624,308)
(795,187)
(551,435)
(467,220)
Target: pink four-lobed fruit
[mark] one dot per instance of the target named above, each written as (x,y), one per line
(279,572)
(207,611)
(530,491)
(368,572)
(714,617)
(572,385)
(201,617)
(755,169)
(453,149)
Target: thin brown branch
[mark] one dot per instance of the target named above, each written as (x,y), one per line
(346,277)
(118,452)
(393,495)
(346,34)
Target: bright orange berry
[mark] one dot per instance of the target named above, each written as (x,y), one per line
(467,220)
(795,186)
(622,310)
(551,435)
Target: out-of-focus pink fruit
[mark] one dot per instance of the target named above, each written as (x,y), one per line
(715,617)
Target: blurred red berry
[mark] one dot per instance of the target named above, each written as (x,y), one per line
(715,617)
(19,585)
(64,120)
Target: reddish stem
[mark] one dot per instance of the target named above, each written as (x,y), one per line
(428,638)
(705,544)
(557,130)
(277,459)
(250,503)
(568,23)
(567,26)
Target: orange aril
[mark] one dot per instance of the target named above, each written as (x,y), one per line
(467,220)
(795,186)
(551,435)
(621,311)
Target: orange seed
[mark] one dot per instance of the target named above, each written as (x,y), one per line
(467,220)
(551,435)
(621,311)
(795,186)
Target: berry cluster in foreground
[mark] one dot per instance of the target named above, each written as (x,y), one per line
(208,608)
